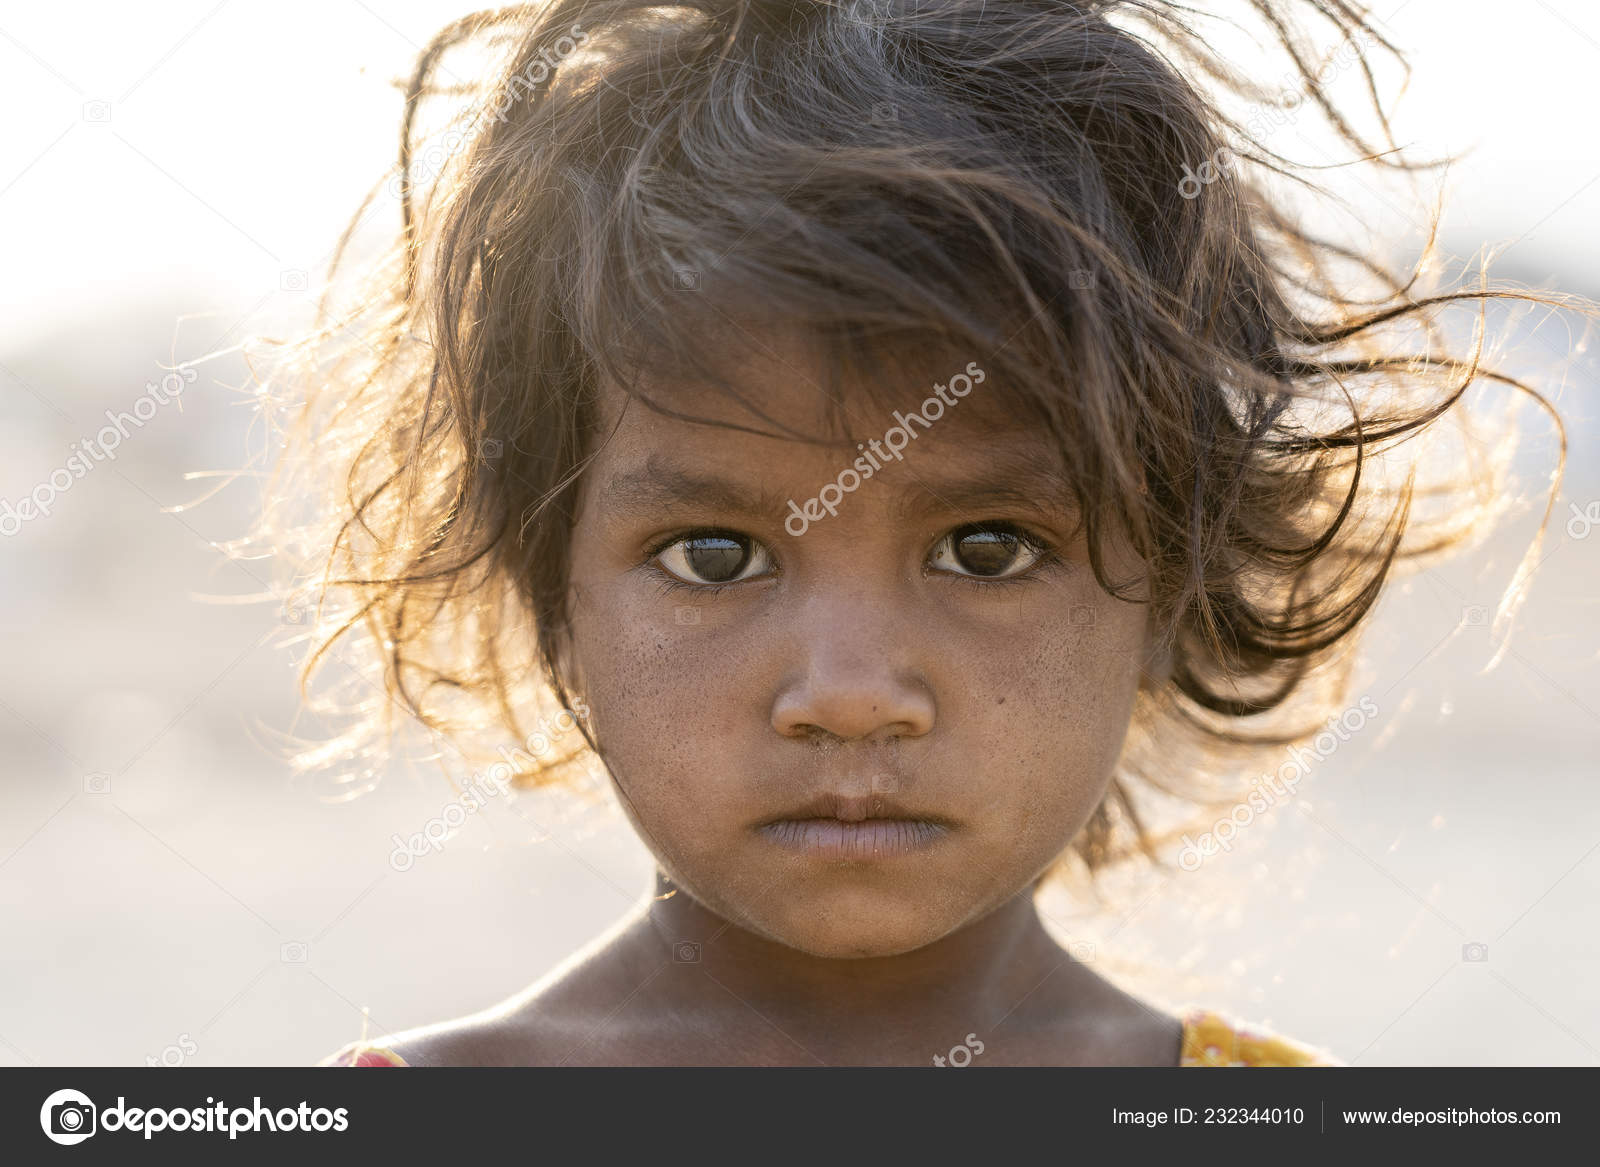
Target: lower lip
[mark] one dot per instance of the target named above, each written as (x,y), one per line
(867,839)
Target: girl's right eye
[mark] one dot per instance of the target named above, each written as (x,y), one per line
(714,557)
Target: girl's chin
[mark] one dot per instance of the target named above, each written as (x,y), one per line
(855,935)
(847,920)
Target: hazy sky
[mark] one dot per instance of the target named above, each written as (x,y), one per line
(236,137)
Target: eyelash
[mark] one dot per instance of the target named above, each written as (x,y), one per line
(1049,556)
(989,585)
(666,582)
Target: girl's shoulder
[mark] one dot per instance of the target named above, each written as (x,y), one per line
(1212,1038)
(547,1024)
(477,1040)
(363,1054)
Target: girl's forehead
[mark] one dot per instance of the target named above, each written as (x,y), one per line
(785,382)
(914,454)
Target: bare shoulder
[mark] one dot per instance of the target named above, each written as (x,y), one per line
(551,1023)
(480,1039)
(518,1033)
(1138,1033)
(1085,1020)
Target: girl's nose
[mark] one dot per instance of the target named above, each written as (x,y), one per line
(855,680)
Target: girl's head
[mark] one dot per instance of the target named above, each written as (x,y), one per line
(932,650)
(905,408)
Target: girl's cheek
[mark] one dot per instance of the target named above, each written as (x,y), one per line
(1059,713)
(661,678)
(1065,676)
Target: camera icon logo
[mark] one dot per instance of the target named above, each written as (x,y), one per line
(293,280)
(1080,278)
(685,280)
(97,783)
(687,615)
(67,1117)
(97,111)
(686,952)
(1475,952)
(1475,615)
(491,448)
(292,952)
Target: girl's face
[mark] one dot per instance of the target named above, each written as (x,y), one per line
(856,733)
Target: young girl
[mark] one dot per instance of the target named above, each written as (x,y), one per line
(899,435)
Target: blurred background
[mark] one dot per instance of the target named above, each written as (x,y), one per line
(172,181)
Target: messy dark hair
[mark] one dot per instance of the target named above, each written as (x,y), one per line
(1078,195)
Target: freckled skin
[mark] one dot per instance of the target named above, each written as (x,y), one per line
(853,666)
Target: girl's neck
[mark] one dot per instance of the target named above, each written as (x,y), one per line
(969,980)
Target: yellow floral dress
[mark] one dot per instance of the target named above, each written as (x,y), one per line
(1213,1039)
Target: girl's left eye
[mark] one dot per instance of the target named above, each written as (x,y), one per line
(987,551)
(717,557)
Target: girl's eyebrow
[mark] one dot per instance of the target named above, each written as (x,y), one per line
(659,486)
(1012,481)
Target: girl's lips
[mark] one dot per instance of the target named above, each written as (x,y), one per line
(834,838)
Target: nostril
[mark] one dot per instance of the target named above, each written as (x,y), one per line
(855,704)
(819,736)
